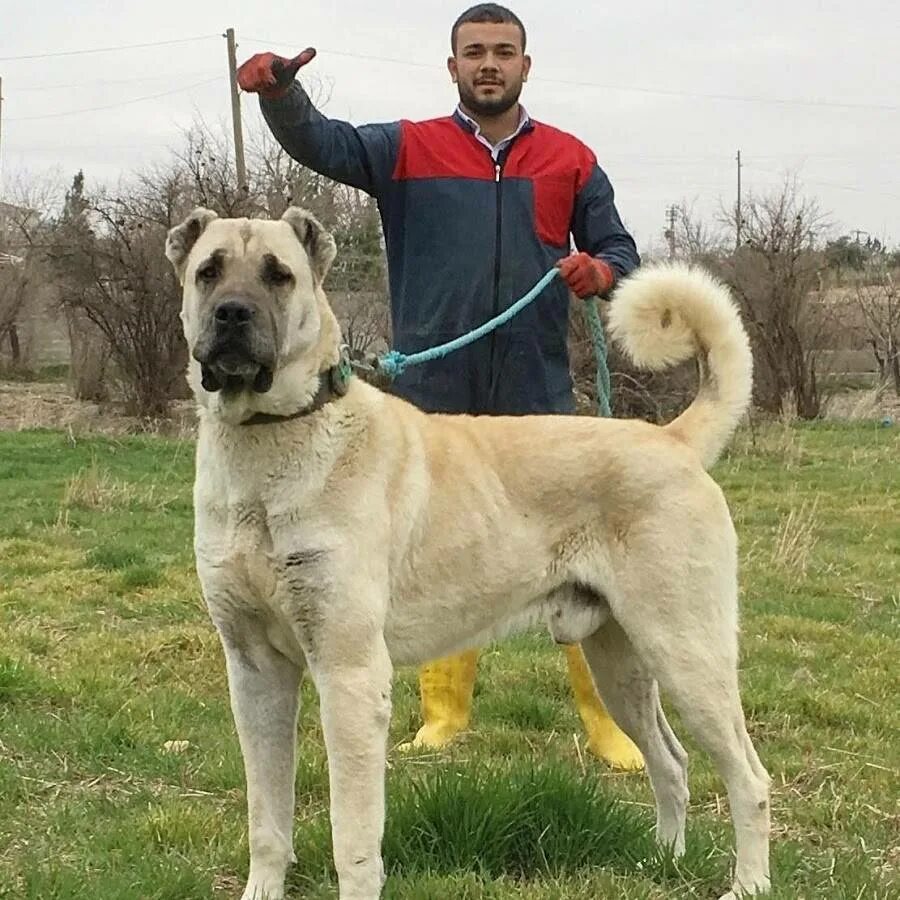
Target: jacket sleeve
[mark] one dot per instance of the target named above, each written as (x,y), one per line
(362,157)
(597,228)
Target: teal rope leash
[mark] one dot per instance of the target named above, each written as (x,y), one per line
(598,338)
(394,363)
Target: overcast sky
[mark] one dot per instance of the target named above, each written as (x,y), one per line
(665,93)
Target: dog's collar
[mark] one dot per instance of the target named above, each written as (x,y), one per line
(333,384)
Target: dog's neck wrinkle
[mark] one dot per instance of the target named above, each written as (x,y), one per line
(328,390)
(292,406)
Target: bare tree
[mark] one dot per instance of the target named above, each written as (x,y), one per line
(365,321)
(636,393)
(207,174)
(774,275)
(14,285)
(107,251)
(357,282)
(22,276)
(879,307)
(696,240)
(29,203)
(104,250)
(67,247)
(278,181)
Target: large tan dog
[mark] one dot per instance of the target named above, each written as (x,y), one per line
(342,530)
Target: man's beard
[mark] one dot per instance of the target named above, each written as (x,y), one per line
(493,106)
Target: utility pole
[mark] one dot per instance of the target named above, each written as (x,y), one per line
(236,113)
(739,219)
(671,213)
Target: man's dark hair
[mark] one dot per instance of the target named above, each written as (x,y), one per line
(487,12)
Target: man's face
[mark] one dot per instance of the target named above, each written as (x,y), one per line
(489,66)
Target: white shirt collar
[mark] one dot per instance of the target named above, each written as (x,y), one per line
(496,149)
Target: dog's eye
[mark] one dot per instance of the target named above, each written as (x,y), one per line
(273,272)
(277,275)
(208,272)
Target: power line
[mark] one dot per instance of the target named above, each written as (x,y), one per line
(202,37)
(694,95)
(830,184)
(724,167)
(171,76)
(731,98)
(88,148)
(365,56)
(704,158)
(73,112)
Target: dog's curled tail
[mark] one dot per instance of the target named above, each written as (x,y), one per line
(664,314)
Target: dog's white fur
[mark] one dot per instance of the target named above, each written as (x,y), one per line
(369,534)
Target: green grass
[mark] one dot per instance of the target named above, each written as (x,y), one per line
(106,654)
(46,374)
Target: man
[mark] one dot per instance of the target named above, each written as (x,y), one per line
(475,207)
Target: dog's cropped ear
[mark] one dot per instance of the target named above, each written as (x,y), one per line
(182,238)
(318,243)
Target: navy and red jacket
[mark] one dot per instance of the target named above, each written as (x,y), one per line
(466,237)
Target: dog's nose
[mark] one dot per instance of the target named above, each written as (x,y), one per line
(233,314)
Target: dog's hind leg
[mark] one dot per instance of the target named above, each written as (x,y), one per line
(684,627)
(631,695)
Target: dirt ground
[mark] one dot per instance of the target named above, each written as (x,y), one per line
(25,405)
(865,404)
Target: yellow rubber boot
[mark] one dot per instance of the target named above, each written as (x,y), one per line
(446,687)
(605,738)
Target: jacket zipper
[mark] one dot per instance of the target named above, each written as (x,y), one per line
(498,176)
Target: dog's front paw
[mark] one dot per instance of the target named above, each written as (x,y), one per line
(741,891)
(264,887)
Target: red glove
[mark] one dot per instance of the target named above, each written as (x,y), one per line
(269,75)
(586,275)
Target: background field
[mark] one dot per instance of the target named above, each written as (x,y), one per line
(106,654)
